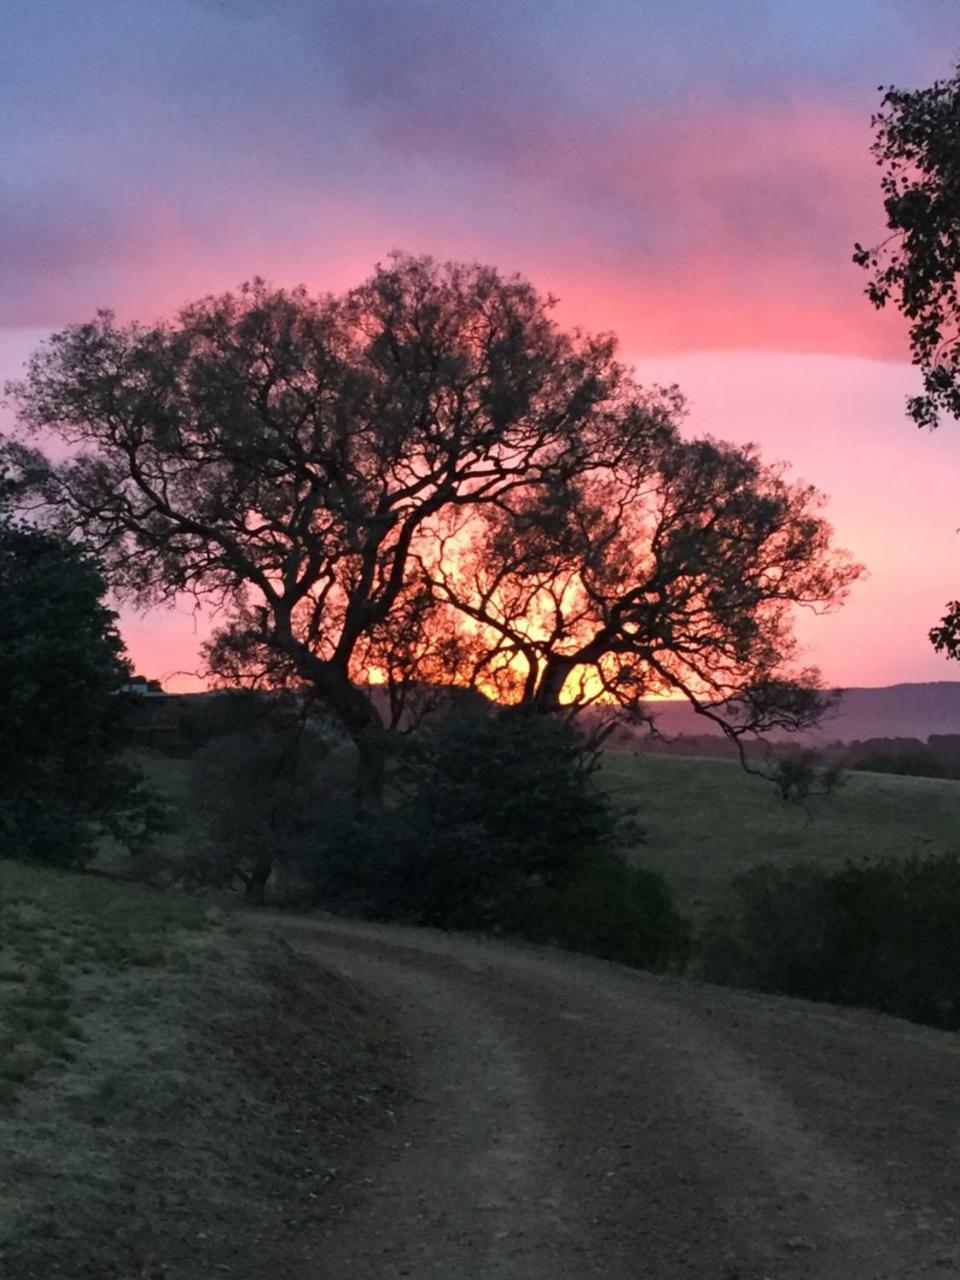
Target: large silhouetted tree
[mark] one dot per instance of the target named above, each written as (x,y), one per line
(917,267)
(327,468)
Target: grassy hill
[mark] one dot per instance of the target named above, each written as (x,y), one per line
(706,820)
(173,1088)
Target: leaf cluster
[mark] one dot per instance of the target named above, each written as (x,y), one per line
(62,781)
(876,934)
(917,267)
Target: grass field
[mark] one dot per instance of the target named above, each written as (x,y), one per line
(706,821)
(173,1086)
(57,929)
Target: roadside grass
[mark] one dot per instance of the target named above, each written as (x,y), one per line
(56,927)
(182,1094)
(706,821)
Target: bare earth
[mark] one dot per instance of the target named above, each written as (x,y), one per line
(574,1119)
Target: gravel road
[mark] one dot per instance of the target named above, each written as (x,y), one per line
(573,1119)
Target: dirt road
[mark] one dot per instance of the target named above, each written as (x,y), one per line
(573,1119)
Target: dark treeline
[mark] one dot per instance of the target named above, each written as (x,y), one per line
(938,757)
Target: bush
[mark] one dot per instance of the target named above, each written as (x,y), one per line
(63,783)
(497,825)
(477,800)
(880,935)
(802,774)
(610,909)
(256,799)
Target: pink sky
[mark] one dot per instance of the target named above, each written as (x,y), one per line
(892,494)
(691,177)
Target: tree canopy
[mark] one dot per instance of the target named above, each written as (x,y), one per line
(426,478)
(917,267)
(61,665)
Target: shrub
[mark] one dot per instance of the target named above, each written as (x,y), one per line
(802,774)
(497,825)
(256,799)
(63,782)
(610,909)
(477,800)
(880,935)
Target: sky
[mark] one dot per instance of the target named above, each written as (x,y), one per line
(689,175)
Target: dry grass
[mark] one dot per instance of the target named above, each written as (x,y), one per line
(178,1091)
(56,928)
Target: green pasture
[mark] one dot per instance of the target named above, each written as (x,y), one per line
(705,821)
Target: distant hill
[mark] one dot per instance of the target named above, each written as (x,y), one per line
(893,711)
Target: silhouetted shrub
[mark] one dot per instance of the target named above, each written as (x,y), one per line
(880,935)
(63,781)
(611,909)
(497,825)
(476,800)
(256,797)
(802,774)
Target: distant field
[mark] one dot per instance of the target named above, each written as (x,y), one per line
(706,820)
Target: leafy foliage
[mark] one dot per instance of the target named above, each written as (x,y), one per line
(500,827)
(426,481)
(256,798)
(918,266)
(481,801)
(880,935)
(62,781)
(606,907)
(801,774)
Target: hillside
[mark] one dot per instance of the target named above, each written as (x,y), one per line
(892,711)
(706,820)
(175,1093)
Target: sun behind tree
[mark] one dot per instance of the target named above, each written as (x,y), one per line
(430,458)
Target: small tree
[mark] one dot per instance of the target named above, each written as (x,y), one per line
(62,782)
(255,800)
(801,774)
(485,805)
(498,824)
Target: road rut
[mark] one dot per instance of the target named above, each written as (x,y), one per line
(573,1119)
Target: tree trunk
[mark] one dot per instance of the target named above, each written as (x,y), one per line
(363,723)
(257,883)
(356,713)
(371,769)
(546,699)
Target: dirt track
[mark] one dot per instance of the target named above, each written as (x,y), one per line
(574,1119)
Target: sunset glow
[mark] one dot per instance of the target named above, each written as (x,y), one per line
(689,177)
